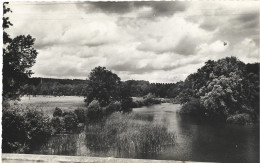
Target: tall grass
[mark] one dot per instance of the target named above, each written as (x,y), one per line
(127,135)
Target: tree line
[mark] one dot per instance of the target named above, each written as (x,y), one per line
(54,87)
(77,87)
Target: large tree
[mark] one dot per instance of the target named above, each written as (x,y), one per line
(106,87)
(103,86)
(18,57)
(224,88)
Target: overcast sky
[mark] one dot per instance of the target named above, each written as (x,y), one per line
(154,41)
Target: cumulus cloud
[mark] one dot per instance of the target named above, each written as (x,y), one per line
(155,41)
(171,35)
(157,8)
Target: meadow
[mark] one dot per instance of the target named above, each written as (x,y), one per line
(48,103)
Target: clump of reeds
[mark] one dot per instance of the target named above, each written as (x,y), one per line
(125,134)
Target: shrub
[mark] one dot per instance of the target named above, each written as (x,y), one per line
(114,106)
(65,113)
(192,107)
(37,126)
(57,124)
(147,100)
(94,111)
(127,104)
(14,133)
(70,122)
(57,112)
(80,115)
(24,129)
(240,119)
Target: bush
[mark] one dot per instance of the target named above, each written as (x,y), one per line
(37,126)
(240,119)
(147,100)
(113,107)
(14,133)
(70,122)
(80,115)
(24,129)
(94,111)
(192,107)
(57,112)
(127,105)
(57,124)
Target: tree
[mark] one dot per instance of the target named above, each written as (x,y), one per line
(225,89)
(224,95)
(18,57)
(103,85)
(6,23)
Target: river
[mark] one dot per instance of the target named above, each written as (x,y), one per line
(196,140)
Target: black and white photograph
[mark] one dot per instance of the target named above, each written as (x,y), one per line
(130,81)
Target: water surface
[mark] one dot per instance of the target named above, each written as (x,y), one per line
(196,140)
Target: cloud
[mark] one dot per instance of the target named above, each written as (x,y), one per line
(210,24)
(155,41)
(187,45)
(173,34)
(249,19)
(157,8)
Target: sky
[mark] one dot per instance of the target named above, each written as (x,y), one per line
(155,41)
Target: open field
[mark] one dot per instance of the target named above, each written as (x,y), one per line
(67,103)
(48,103)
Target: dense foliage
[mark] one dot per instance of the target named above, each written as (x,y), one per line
(147,100)
(66,122)
(103,86)
(140,88)
(54,87)
(222,88)
(94,111)
(24,129)
(106,87)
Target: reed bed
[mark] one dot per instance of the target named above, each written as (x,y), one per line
(128,134)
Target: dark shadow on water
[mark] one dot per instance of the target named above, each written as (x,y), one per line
(216,141)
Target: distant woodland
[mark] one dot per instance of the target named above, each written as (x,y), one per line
(77,87)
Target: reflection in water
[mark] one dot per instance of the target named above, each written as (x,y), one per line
(195,139)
